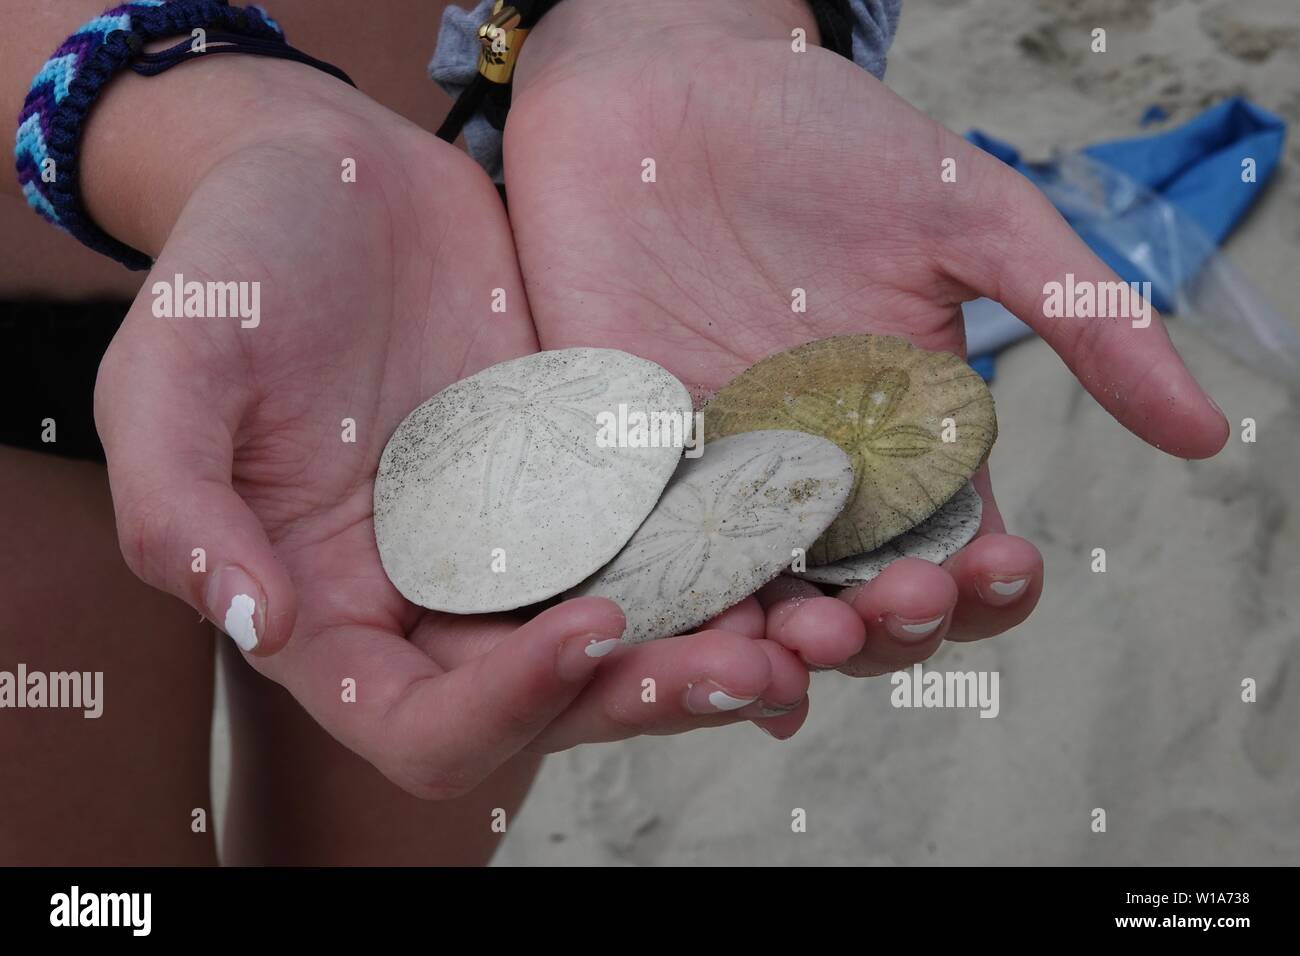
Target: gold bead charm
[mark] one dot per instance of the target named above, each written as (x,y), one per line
(501,40)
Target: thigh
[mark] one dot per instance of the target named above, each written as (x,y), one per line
(121,788)
(299,798)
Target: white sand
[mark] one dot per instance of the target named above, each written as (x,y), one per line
(1124,689)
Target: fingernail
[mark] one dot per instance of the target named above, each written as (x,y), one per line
(707,697)
(236,603)
(574,661)
(911,631)
(777,710)
(817,667)
(1215,405)
(601,648)
(766,731)
(1000,593)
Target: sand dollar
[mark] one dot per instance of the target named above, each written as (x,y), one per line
(890,406)
(727,524)
(502,490)
(935,539)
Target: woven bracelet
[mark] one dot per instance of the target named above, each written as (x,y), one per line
(67,86)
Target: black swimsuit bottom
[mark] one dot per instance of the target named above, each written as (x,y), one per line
(49,356)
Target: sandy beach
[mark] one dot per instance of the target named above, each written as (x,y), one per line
(1124,690)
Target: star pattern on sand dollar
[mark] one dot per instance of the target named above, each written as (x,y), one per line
(735,510)
(510,420)
(865,428)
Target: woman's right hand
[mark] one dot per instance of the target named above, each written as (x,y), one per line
(241,456)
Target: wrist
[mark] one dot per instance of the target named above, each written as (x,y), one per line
(149,141)
(578,30)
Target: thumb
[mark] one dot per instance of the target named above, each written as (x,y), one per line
(180,524)
(1127,364)
(438,734)
(492,707)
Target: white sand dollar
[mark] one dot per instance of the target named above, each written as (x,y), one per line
(504,489)
(726,525)
(936,539)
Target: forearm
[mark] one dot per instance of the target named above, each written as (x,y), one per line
(137,175)
(148,141)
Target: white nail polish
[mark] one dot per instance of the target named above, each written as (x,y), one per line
(239,622)
(601,648)
(1008,588)
(920,630)
(722,701)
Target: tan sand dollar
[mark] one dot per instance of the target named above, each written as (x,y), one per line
(915,424)
(505,488)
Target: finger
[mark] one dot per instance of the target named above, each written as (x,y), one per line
(906,611)
(744,618)
(990,514)
(823,631)
(789,682)
(999,578)
(167,434)
(1134,372)
(447,640)
(439,734)
(452,649)
(787,685)
(787,725)
(672,686)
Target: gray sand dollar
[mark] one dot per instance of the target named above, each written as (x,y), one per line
(916,425)
(509,486)
(935,539)
(727,524)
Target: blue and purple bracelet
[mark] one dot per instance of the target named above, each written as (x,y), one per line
(67,86)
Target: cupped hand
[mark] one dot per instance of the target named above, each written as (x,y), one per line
(677,175)
(242,453)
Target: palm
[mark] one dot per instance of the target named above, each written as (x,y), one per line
(394,317)
(698,270)
(767,183)
(786,179)
(375,295)
(390,309)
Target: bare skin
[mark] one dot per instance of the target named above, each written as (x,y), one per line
(453,710)
(300,798)
(298,794)
(778,170)
(77,792)
(120,788)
